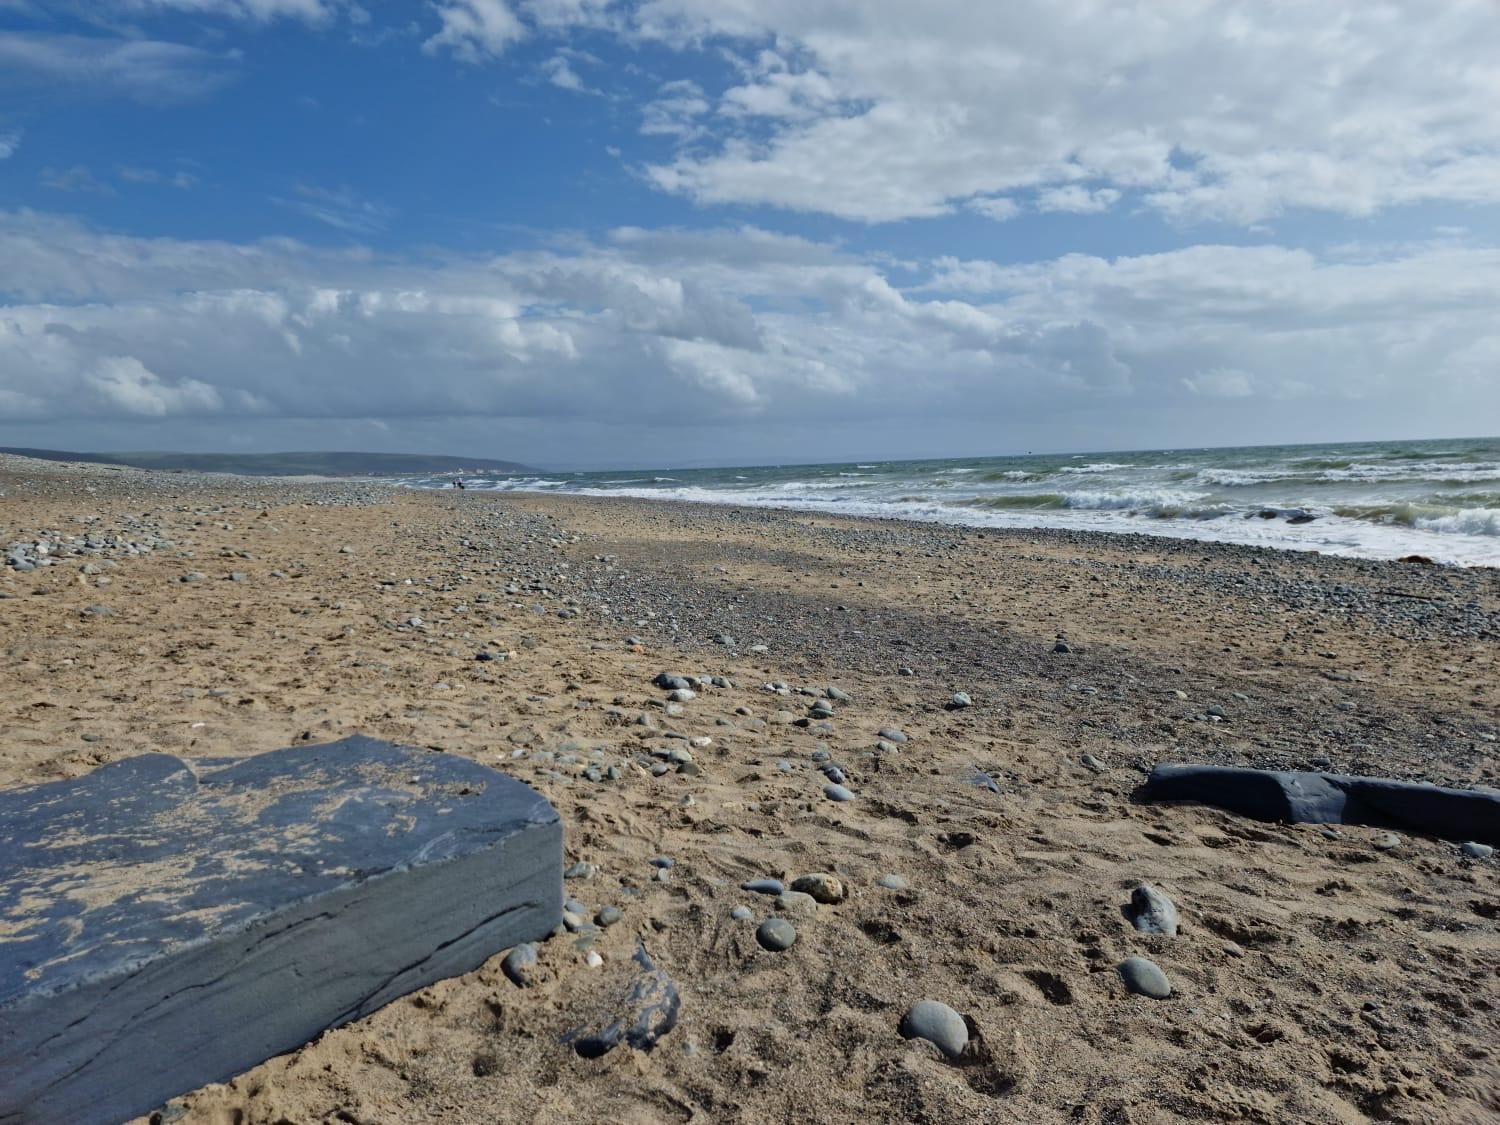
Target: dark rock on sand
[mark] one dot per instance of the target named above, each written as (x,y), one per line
(1324,798)
(249,907)
(776,934)
(645,1011)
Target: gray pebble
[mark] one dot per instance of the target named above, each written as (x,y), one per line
(796,902)
(892,882)
(741,913)
(1145,978)
(960,700)
(776,934)
(937,1023)
(609,915)
(837,793)
(1152,912)
(891,734)
(517,963)
(763,886)
(1477,851)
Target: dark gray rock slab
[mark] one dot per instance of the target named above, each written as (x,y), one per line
(1326,798)
(165,925)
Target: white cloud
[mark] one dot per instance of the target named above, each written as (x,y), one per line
(143,70)
(263,11)
(179,179)
(997,207)
(9,142)
(653,328)
(675,111)
(341,208)
(1076,199)
(475,30)
(1212,109)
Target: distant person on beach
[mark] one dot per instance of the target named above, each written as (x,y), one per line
(458,482)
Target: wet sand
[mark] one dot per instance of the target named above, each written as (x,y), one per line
(1315,978)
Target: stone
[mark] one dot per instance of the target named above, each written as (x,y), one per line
(837,793)
(168,926)
(937,1023)
(742,913)
(892,882)
(1386,841)
(825,888)
(1474,850)
(646,1008)
(959,701)
(1326,798)
(1145,978)
(518,964)
(797,902)
(1152,912)
(763,886)
(776,934)
(891,734)
(683,695)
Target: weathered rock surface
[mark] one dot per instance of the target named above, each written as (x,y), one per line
(163,925)
(1325,798)
(646,1009)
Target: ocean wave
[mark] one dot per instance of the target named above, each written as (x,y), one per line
(1443,519)
(1093,467)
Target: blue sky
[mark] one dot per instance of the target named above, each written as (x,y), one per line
(585,232)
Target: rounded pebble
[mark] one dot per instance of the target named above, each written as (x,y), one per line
(763,886)
(892,882)
(776,934)
(937,1023)
(1475,850)
(837,793)
(741,913)
(1145,978)
(823,887)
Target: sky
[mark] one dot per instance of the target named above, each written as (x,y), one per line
(599,233)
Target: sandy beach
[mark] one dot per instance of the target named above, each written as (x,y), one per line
(1317,977)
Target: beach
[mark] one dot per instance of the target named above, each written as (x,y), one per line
(1319,974)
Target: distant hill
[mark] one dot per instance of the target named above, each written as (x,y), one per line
(286,464)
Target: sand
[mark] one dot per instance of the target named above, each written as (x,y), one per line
(1316,978)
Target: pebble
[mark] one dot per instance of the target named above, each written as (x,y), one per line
(1475,850)
(1093,763)
(891,734)
(937,1023)
(763,886)
(796,902)
(822,886)
(892,882)
(609,915)
(579,870)
(1386,841)
(683,695)
(742,913)
(518,962)
(1152,912)
(776,934)
(837,793)
(960,700)
(1145,978)
(663,861)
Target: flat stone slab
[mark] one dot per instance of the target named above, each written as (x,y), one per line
(165,924)
(1328,798)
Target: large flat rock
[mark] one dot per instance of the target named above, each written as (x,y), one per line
(1329,798)
(164,925)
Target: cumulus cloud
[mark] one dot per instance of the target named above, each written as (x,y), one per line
(654,328)
(475,30)
(1216,109)
(9,142)
(263,11)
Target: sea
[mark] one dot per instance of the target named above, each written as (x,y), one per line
(1439,499)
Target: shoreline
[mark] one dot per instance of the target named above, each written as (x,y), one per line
(224,617)
(1421,544)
